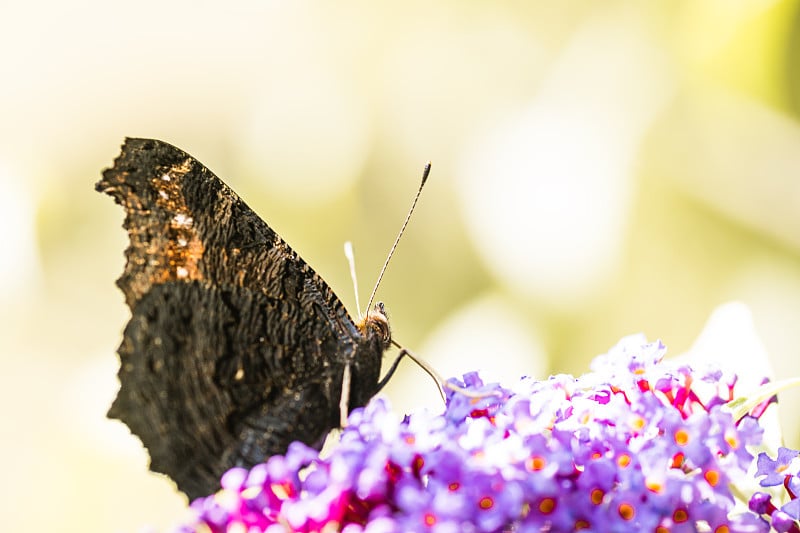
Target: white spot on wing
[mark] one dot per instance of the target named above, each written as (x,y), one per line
(182,219)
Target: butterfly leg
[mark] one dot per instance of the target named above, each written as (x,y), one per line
(343,400)
(389,373)
(421,363)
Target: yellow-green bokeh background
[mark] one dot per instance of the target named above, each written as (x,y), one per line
(600,169)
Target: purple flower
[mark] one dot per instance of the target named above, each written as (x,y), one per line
(636,445)
(783,470)
(776,470)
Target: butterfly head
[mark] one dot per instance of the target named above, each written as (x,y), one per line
(377,322)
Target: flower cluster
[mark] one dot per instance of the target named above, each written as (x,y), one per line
(784,471)
(637,444)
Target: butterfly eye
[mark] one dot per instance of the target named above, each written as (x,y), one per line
(376,319)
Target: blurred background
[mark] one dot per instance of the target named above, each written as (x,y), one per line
(599,169)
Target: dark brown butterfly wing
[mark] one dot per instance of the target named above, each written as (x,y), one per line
(235,347)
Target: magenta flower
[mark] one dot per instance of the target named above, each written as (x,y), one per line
(634,445)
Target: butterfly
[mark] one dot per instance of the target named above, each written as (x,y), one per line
(235,346)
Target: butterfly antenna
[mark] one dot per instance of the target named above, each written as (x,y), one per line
(351,260)
(425,173)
